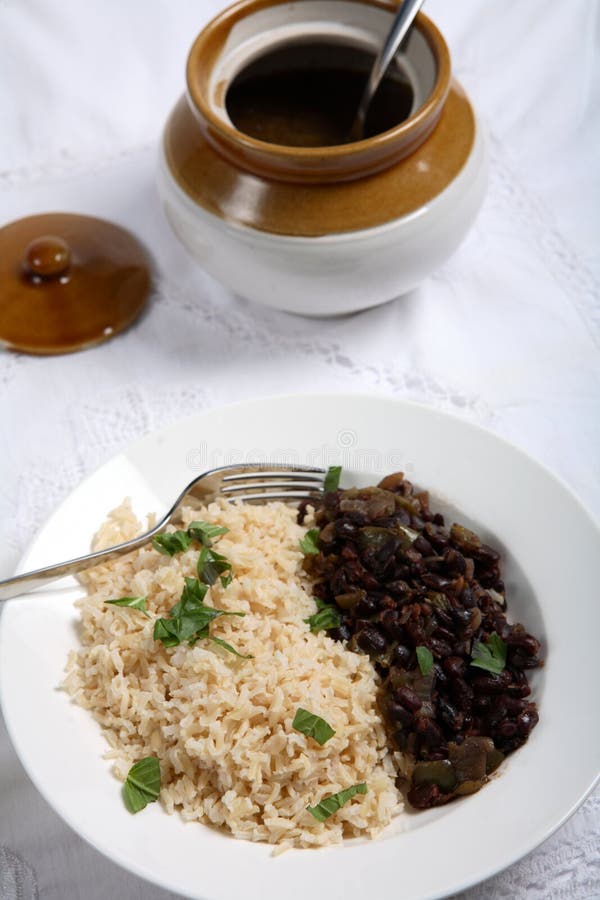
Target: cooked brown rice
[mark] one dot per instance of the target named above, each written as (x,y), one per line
(222,726)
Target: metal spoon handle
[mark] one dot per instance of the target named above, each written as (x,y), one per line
(407,11)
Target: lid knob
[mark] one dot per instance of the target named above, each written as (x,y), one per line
(47,257)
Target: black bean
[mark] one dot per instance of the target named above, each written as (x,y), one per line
(450,715)
(455,561)
(518,690)
(371,640)
(491,684)
(520,661)
(416,633)
(435,582)
(462,694)
(342,633)
(390,620)
(429,733)
(302,511)
(526,643)
(408,698)
(322,591)
(513,705)
(444,634)
(441,679)
(401,656)
(461,616)
(497,712)
(345,529)
(467,599)
(487,554)
(366,607)
(439,648)
(527,720)
(455,666)
(398,588)
(425,796)
(482,702)
(507,729)
(423,546)
(399,714)
(438,540)
(401,573)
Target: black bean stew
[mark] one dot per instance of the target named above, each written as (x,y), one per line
(402,580)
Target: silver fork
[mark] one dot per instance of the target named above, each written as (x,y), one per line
(253,483)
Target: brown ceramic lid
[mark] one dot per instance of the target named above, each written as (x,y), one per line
(68,281)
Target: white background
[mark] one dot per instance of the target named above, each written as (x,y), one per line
(507,334)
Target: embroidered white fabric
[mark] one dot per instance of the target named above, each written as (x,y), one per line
(506,334)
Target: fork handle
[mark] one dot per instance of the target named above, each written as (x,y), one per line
(29,581)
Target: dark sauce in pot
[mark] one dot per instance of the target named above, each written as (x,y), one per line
(306,95)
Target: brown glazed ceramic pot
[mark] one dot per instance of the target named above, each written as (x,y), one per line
(320,230)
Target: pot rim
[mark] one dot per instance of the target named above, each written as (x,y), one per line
(313,164)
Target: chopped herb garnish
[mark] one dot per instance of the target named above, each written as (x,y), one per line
(308,544)
(192,596)
(330,805)
(425,660)
(228,647)
(187,626)
(312,726)
(132,603)
(167,631)
(332,478)
(204,532)
(327,617)
(213,565)
(172,542)
(490,656)
(142,785)
(190,618)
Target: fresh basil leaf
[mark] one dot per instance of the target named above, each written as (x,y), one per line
(193,596)
(132,603)
(204,532)
(186,626)
(330,805)
(213,566)
(190,618)
(425,660)
(332,479)
(228,647)
(327,617)
(312,726)
(167,631)
(308,544)
(490,656)
(170,543)
(142,785)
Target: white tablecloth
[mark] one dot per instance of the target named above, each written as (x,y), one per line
(506,334)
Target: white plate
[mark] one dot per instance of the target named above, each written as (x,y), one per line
(552,548)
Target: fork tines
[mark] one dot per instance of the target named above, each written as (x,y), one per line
(282,484)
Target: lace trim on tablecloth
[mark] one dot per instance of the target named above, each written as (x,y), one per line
(566,867)
(17,878)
